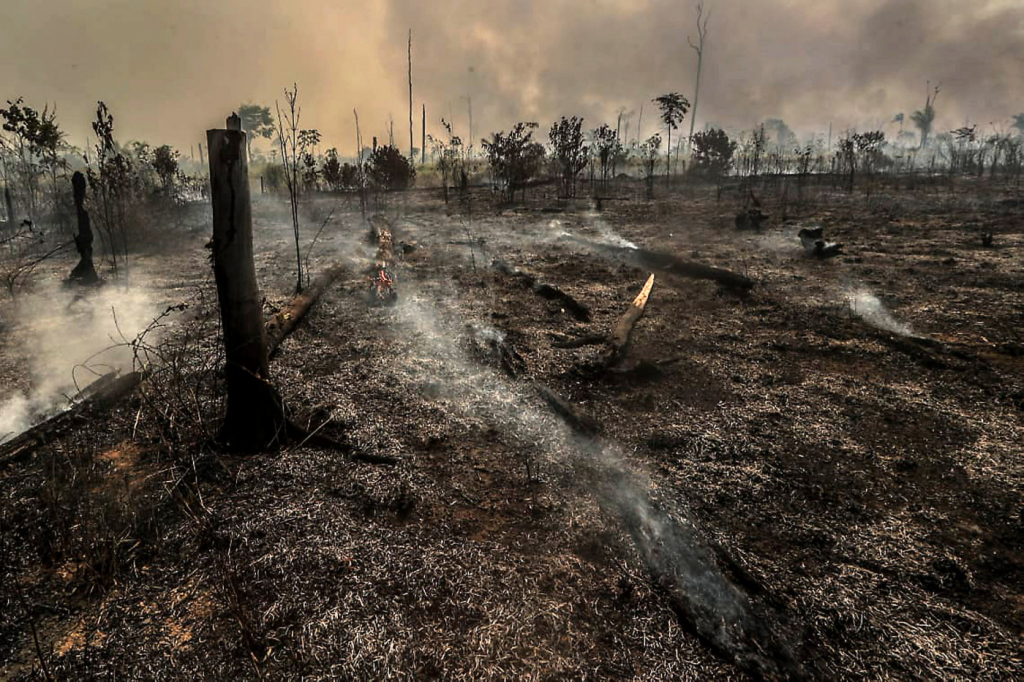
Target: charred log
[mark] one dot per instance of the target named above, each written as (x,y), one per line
(579,422)
(544,289)
(813,241)
(98,396)
(286,320)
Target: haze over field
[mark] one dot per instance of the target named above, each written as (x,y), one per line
(169,69)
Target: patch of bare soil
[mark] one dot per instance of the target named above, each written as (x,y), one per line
(856,491)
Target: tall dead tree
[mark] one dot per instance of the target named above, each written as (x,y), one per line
(702,34)
(411,157)
(423,138)
(255,418)
(359,165)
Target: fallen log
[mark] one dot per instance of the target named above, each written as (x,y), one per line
(588,340)
(287,319)
(580,423)
(543,289)
(110,391)
(618,340)
(682,566)
(667,263)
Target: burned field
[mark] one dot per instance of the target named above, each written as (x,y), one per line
(817,477)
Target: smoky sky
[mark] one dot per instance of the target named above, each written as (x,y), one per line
(170,69)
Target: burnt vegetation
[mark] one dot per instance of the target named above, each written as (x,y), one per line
(745,405)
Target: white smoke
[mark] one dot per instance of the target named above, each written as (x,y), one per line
(670,545)
(869,308)
(68,339)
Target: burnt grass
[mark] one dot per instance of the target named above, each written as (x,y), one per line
(861,488)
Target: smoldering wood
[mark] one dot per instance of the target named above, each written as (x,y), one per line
(255,417)
(382,275)
(111,388)
(748,643)
(288,318)
(543,289)
(669,264)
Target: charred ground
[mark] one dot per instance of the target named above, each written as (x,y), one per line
(862,487)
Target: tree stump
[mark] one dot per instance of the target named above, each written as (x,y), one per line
(85,271)
(255,418)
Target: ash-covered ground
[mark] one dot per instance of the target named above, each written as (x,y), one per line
(823,473)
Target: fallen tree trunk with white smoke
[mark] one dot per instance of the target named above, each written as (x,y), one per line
(543,289)
(112,388)
(288,318)
(670,264)
(680,563)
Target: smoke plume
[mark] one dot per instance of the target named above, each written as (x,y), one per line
(869,308)
(68,343)
(171,69)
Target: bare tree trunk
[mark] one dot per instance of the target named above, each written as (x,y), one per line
(410,97)
(359,166)
(255,417)
(702,32)
(9,204)
(423,139)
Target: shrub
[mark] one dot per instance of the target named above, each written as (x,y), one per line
(514,158)
(712,153)
(567,141)
(388,171)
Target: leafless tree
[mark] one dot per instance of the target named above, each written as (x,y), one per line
(288,137)
(702,34)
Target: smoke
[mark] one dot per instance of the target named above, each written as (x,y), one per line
(669,543)
(598,233)
(606,233)
(67,343)
(848,62)
(869,308)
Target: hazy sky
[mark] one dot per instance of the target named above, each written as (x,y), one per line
(170,69)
